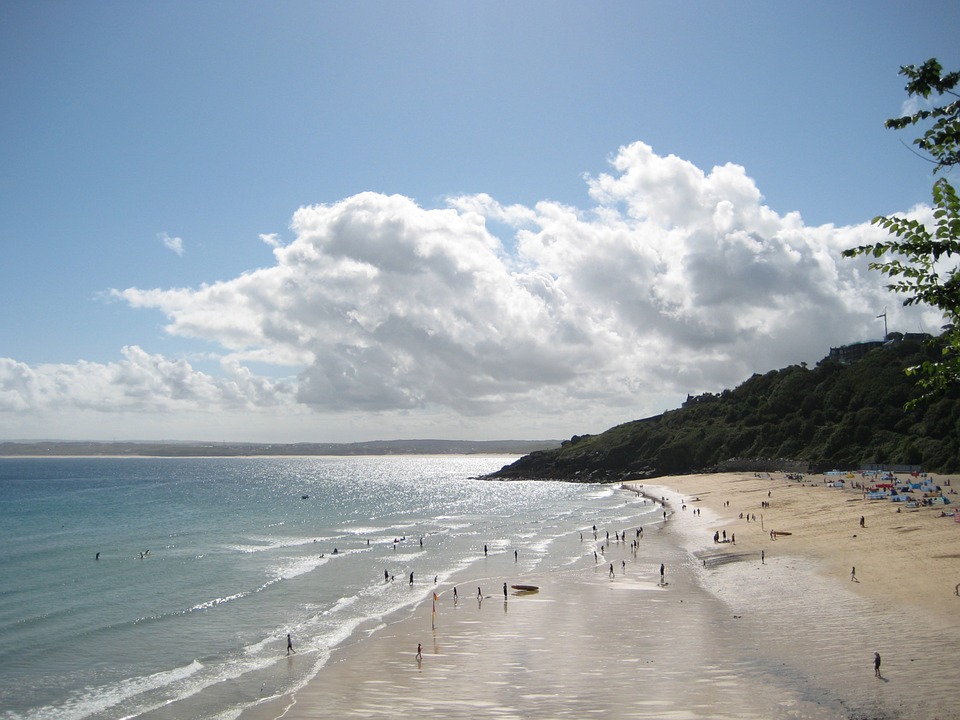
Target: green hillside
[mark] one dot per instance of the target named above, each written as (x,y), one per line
(830,416)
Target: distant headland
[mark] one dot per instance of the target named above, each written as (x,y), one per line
(65,448)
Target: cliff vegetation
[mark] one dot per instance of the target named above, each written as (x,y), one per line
(797,418)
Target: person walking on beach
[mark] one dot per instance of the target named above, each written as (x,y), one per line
(853,574)
(419,652)
(661,573)
(504,592)
(876,664)
(611,570)
(455,596)
(290,645)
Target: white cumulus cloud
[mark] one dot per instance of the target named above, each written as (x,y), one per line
(139,382)
(675,280)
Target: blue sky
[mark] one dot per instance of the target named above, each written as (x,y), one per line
(342,221)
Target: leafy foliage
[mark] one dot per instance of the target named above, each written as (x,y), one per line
(825,417)
(941,138)
(920,261)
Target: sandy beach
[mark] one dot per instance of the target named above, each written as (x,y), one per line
(756,628)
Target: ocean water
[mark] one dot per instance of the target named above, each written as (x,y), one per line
(206,564)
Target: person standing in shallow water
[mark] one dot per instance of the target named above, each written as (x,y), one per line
(290,645)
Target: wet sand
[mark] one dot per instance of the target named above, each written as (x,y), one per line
(727,636)
(900,602)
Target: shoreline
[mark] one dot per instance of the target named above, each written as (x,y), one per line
(893,545)
(568,650)
(731,634)
(837,591)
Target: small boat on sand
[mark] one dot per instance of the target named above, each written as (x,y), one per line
(526,588)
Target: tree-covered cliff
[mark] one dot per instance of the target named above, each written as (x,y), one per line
(830,416)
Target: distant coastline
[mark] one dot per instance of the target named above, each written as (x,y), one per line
(65,448)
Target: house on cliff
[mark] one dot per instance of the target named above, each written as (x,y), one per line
(849,354)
